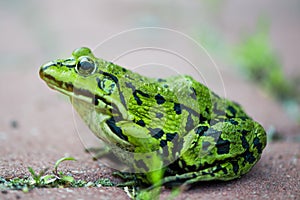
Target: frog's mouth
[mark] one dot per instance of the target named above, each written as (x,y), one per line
(73,92)
(78,94)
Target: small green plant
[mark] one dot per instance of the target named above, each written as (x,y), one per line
(56,179)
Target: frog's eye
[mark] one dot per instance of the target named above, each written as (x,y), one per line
(85,66)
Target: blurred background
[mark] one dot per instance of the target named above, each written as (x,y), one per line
(247,51)
(255,45)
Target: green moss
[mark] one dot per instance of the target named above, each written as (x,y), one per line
(260,63)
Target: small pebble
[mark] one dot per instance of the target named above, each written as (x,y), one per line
(14,124)
(4,191)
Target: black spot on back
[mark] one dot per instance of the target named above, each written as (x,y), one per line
(177,108)
(161,80)
(163,143)
(141,123)
(223,146)
(137,99)
(201,130)
(257,144)
(142,93)
(156,132)
(245,132)
(159,99)
(219,168)
(245,143)
(244,117)
(170,136)
(235,166)
(233,122)
(249,157)
(136,92)
(232,110)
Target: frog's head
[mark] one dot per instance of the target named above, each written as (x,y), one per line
(84,77)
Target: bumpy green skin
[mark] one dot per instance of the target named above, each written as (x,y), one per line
(176,124)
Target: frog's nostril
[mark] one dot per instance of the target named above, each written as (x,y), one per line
(47,65)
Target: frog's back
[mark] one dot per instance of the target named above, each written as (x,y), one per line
(199,99)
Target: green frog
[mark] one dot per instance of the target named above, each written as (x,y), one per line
(173,125)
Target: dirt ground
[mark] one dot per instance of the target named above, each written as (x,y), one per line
(37,125)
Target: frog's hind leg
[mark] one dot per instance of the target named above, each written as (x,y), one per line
(238,147)
(209,174)
(224,172)
(226,151)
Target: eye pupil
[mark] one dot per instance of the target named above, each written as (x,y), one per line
(85,66)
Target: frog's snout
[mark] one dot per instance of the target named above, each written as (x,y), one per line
(44,68)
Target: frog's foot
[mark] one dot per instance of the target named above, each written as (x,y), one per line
(171,181)
(130,179)
(184,181)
